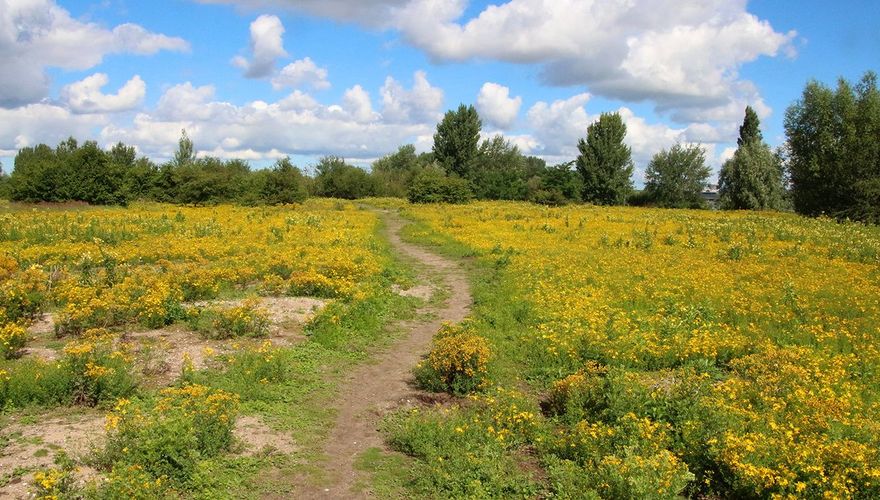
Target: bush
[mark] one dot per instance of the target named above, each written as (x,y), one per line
(97,372)
(458,362)
(12,339)
(168,437)
(246,320)
(579,395)
(629,459)
(133,483)
(432,185)
(91,371)
(23,295)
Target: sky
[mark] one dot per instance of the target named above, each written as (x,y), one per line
(263,79)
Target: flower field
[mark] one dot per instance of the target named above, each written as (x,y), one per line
(104,279)
(671,353)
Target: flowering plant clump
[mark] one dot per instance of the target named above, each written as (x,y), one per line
(169,436)
(53,484)
(13,338)
(245,320)
(97,371)
(458,362)
(23,295)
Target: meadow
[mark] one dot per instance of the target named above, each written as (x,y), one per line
(646,353)
(609,352)
(186,345)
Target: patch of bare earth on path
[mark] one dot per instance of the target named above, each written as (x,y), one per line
(258,438)
(32,445)
(373,390)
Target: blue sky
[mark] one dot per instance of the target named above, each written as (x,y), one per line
(260,79)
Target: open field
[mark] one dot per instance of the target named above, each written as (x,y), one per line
(173,350)
(609,352)
(649,353)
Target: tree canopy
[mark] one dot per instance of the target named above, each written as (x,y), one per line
(605,162)
(676,177)
(752,179)
(456,142)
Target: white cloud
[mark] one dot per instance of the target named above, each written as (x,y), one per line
(43,123)
(296,124)
(85,96)
(266,47)
(496,106)
(301,73)
(423,103)
(36,34)
(673,52)
(356,103)
(682,55)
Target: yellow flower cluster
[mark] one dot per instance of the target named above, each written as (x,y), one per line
(12,338)
(112,266)
(459,357)
(783,311)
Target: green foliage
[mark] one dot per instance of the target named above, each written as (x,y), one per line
(750,130)
(246,320)
(834,149)
(90,372)
(168,437)
(433,185)
(284,184)
(463,453)
(456,142)
(499,172)
(556,185)
(752,179)
(605,162)
(394,173)
(336,179)
(676,177)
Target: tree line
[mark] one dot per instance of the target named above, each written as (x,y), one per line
(829,164)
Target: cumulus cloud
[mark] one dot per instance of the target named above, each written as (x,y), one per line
(37,34)
(675,53)
(85,96)
(683,55)
(295,124)
(422,103)
(43,123)
(303,72)
(266,46)
(496,106)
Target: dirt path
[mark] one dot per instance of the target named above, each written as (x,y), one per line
(375,389)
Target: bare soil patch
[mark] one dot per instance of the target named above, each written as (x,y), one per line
(259,438)
(423,292)
(33,443)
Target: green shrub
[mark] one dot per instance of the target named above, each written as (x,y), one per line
(458,362)
(246,320)
(432,185)
(91,371)
(169,436)
(12,339)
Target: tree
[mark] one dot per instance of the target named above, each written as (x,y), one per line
(752,179)
(833,147)
(393,173)
(284,184)
(605,162)
(456,142)
(499,172)
(337,179)
(750,130)
(676,177)
(434,185)
(185,154)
